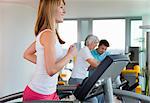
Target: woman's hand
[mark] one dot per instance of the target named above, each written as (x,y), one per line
(72,50)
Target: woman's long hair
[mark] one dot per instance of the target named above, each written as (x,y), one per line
(46,16)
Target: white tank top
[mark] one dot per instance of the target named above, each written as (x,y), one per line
(41,82)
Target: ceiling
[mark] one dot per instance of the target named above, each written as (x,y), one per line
(19,1)
(30,2)
(25,2)
(102,7)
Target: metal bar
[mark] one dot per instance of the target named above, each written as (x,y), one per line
(66,87)
(108,91)
(148,56)
(11,97)
(131,95)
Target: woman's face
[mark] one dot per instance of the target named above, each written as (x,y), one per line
(60,11)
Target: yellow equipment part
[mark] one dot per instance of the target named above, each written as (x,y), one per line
(138,89)
(61,83)
(135,70)
(62,75)
(124,72)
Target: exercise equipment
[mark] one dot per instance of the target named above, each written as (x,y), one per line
(101,82)
(131,75)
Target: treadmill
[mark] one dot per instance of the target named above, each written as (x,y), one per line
(99,82)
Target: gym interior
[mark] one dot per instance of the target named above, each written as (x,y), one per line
(124,23)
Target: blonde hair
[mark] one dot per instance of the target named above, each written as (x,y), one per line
(46,15)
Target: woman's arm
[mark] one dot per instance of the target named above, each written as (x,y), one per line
(29,53)
(48,40)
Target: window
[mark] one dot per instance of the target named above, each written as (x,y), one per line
(68,32)
(112,30)
(137,40)
(136,33)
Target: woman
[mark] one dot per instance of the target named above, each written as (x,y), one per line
(49,58)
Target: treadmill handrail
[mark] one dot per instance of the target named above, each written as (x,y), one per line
(130,94)
(11,97)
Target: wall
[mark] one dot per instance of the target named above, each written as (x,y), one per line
(105,8)
(1,74)
(16,32)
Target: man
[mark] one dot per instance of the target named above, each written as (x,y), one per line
(100,53)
